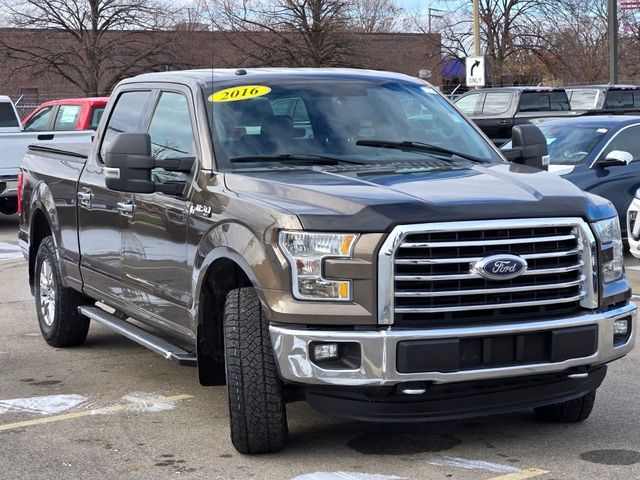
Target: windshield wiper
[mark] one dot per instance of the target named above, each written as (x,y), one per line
(294,158)
(417,146)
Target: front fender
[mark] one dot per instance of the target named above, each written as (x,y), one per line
(262,264)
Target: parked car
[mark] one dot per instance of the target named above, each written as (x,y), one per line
(66,114)
(379,268)
(497,110)
(13,144)
(612,98)
(600,154)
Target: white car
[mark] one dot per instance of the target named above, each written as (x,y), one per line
(633,225)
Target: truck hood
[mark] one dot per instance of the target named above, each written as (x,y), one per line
(376,198)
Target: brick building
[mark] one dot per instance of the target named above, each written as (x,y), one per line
(401,52)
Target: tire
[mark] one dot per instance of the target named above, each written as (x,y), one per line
(57,306)
(572,411)
(257,412)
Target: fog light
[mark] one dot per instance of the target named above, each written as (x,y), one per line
(324,352)
(620,328)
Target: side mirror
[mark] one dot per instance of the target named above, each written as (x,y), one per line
(615,158)
(528,147)
(129,163)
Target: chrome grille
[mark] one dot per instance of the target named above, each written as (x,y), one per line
(434,284)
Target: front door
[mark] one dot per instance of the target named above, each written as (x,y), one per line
(154,243)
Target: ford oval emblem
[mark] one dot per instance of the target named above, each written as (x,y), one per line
(501,267)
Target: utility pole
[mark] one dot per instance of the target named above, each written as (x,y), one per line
(476,27)
(613,41)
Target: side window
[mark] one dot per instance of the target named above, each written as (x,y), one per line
(96,115)
(8,115)
(67,117)
(126,117)
(40,120)
(284,106)
(496,103)
(170,130)
(468,103)
(627,141)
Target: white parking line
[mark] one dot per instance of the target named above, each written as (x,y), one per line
(344,476)
(9,251)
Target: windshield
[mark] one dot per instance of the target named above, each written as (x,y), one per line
(569,145)
(331,118)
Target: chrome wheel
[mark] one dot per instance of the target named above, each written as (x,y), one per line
(47,293)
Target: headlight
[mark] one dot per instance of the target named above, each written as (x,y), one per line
(608,232)
(305,252)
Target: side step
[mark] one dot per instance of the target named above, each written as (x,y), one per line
(138,335)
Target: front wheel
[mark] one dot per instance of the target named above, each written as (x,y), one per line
(257,411)
(572,411)
(57,306)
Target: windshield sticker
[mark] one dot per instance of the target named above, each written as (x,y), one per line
(602,130)
(234,94)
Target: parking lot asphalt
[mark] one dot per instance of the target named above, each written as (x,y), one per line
(112,409)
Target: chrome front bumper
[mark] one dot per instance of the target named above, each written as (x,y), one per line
(378,350)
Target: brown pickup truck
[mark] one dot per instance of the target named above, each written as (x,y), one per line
(342,237)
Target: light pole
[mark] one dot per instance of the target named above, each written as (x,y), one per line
(613,41)
(476,27)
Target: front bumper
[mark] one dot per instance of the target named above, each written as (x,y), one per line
(378,365)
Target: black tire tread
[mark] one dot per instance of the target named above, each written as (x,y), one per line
(256,408)
(572,411)
(69,328)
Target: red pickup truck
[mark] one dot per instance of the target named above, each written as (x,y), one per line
(67,114)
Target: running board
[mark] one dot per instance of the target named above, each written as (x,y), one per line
(140,336)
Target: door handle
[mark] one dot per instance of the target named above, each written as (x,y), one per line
(126,208)
(85,198)
(504,122)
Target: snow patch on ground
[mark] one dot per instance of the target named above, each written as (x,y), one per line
(472,464)
(145,400)
(344,476)
(46,405)
(9,251)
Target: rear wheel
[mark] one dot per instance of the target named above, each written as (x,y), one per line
(572,411)
(57,306)
(257,411)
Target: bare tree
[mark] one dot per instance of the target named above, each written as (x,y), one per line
(508,31)
(92,44)
(301,33)
(375,16)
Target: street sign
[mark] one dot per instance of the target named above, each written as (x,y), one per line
(475,71)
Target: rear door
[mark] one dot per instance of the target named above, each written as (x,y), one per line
(495,116)
(154,243)
(99,218)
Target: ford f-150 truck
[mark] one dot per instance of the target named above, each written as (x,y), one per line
(343,237)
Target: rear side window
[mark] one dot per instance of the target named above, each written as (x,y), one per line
(544,102)
(67,117)
(468,103)
(96,115)
(8,115)
(583,99)
(127,116)
(496,103)
(40,120)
